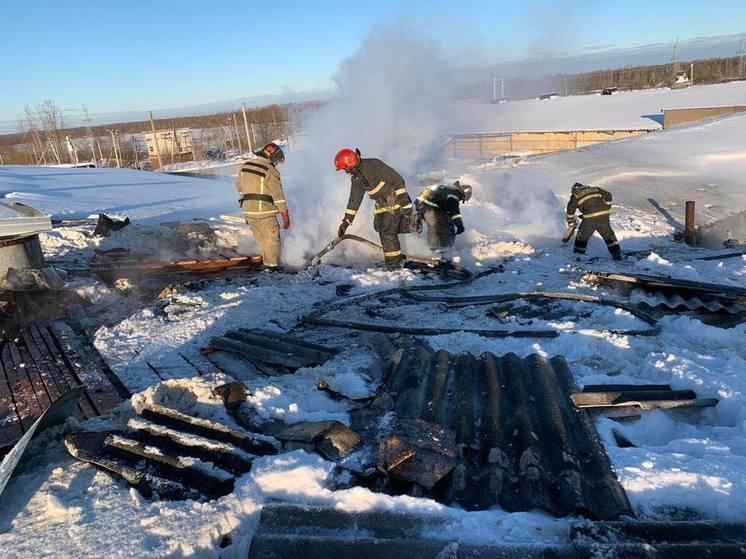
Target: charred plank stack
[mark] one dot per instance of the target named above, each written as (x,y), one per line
(243,352)
(168,454)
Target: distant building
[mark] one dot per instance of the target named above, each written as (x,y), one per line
(173,146)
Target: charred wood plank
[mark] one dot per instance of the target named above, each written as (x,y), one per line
(286,347)
(233,462)
(256,353)
(192,472)
(29,368)
(27,406)
(205,428)
(631,397)
(624,387)
(10,421)
(88,367)
(90,447)
(58,366)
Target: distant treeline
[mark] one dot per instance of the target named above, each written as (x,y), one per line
(706,71)
(711,70)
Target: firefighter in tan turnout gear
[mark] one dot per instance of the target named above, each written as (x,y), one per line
(595,205)
(262,199)
(393,214)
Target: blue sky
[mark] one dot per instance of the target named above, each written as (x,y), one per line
(134,54)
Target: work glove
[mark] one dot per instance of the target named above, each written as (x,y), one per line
(285,219)
(571,221)
(343,227)
(459,227)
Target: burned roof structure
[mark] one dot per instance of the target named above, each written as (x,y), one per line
(485,430)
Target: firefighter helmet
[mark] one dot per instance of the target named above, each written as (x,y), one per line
(346,159)
(273,152)
(464,189)
(577,186)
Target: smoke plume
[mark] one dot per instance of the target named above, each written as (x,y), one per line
(391,103)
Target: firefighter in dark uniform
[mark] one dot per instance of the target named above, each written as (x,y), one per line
(393,214)
(440,208)
(262,199)
(595,205)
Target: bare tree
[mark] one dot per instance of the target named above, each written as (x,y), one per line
(52,123)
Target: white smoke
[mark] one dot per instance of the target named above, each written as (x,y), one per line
(392,102)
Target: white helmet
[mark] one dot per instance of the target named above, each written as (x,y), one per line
(464,189)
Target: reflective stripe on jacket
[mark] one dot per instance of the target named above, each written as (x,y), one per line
(260,187)
(591,201)
(382,183)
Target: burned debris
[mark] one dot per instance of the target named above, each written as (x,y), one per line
(40,364)
(269,352)
(168,454)
(675,293)
(484,431)
(630,399)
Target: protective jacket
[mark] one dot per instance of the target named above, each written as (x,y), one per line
(445,198)
(595,205)
(382,183)
(260,187)
(590,200)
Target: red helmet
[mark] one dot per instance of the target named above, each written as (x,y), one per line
(346,159)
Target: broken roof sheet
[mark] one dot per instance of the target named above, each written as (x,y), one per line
(522,442)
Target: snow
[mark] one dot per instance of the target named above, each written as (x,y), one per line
(141,195)
(623,110)
(685,464)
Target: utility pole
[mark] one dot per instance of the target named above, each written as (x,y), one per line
(502,87)
(494,87)
(114,149)
(691,73)
(89,132)
(246,127)
(238,136)
(134,151)
(155,141)
(675,59)
(742,57)
(71,150)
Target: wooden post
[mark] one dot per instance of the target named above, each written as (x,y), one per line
(134,151)
(246,128)
(155,141)
(100,153)
(114,149)
(690,233)
(238,136)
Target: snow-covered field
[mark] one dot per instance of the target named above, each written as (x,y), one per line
(624,109)
(684,465)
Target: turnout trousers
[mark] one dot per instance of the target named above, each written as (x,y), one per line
(602,225)
(389,225)
(267,234)
(440,230)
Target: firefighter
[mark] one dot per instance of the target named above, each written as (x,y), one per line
(393,211)
(595,205)
(262,199)
(439,207)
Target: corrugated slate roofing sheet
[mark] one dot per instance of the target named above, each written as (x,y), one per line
(522,443)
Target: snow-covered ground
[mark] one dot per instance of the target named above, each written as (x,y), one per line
(624,109)
(689,464)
